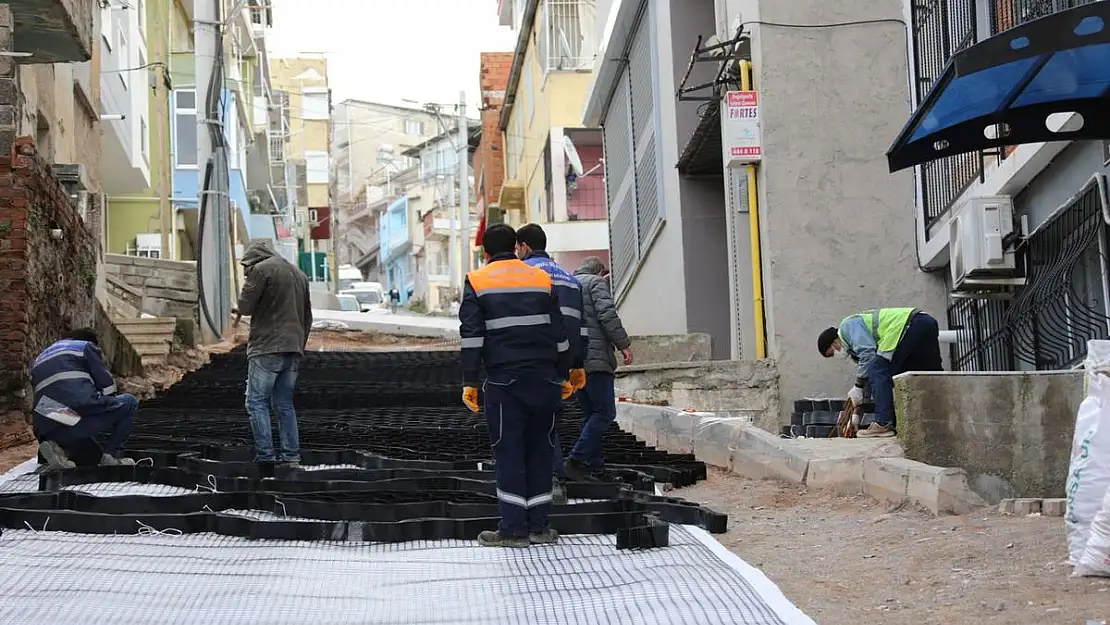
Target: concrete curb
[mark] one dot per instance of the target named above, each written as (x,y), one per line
(734,444)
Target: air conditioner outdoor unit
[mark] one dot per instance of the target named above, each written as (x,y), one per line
(982,253)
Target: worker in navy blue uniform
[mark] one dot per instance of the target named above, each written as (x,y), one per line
(531,247)
(76,400)
(510,322)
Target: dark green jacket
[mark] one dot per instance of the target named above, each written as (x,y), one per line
(275,297)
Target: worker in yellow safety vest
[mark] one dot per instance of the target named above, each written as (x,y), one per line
(883,343)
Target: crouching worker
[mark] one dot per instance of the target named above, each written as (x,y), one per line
(884,343)
(76,400)
(510,322)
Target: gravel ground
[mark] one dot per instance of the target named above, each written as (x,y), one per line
(848,560)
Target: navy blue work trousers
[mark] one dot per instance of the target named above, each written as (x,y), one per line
(520,413)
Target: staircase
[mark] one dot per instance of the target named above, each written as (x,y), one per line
(151,337)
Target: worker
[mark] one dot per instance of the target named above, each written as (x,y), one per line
(75,400)
(275,296)
(510,323)
(605,334)
(531,246)
(884,343)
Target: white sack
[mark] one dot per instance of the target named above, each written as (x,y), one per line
(1089,473)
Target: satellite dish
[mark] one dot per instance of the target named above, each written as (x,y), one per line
(573,160)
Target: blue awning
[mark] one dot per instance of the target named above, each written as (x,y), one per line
(1017,87)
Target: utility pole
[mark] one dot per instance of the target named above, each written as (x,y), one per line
(206,27)
(162,186)
(464,187)
(333,201)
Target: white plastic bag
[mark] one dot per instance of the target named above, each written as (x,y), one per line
(1095,559)
(1089,473)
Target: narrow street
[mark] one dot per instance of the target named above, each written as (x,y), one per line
(847,560)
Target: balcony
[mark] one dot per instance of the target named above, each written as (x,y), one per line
(576,215)
(124,102)
(53,31)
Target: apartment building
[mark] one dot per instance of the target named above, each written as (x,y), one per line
(301,89)
(439,241)
(747,189)
(369,141)
(554,170)
(1032,299)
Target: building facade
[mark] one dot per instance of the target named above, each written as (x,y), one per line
(762,269)
(489,156)
(301,85)
(368,146)
(1056,191)
(554,171)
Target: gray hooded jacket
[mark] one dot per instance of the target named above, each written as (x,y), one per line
(599,317)
(275,297)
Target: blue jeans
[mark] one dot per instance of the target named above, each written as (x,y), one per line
(520,414)
(116,421)
(919,350)
(599,408)
(271,379)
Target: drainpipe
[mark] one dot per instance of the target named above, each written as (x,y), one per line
(753,228)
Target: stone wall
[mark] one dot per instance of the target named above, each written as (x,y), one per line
(659,348)
(1011,432)
(742,387)
(169,287)
(47,270)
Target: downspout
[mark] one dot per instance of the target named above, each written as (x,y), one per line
(753,229)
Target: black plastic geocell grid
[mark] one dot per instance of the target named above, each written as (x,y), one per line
(415,463)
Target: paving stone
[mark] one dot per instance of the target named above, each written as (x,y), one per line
(1054,507)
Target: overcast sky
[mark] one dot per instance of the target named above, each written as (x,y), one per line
(390,50)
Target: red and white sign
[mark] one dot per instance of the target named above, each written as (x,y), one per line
(742,133)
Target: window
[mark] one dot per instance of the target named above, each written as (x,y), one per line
(144,137)
(316,167)
(314,104)
(185,128)
(566,38)
(385,154)
(414,127)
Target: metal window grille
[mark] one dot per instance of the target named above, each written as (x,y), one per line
(1062,307)
(566,41)
(941,28)
(1006,14)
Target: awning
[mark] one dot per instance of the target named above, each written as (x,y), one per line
(1017,87)
(703,153)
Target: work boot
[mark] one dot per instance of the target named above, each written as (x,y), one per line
(547,537)
(55,457)
(108,460)
(495,539)
(876,430)
(558,493)
(577,470)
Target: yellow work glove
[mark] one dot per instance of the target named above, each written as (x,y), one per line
(470,398)
(578,379)
(568,390)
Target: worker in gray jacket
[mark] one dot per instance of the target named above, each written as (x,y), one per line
(598,398)
(275,297)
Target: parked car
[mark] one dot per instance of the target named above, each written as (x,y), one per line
(348,303)
(368,299)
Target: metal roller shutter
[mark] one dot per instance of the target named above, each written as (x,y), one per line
(620,181)
(643,123)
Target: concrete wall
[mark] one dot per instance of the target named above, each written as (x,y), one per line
(169,286)
(837,229)
(1011,432)
(716,386)
(1057,183)
(660,348)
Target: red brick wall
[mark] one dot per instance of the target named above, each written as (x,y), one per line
(493,79)
(322,230)
(47,285)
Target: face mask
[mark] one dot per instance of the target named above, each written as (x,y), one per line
(845,355)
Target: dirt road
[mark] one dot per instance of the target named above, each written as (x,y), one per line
(851,561)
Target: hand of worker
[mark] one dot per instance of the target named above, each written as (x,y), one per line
(626,353)
(568,390)
(578,379)
(856,395)
(470,398)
